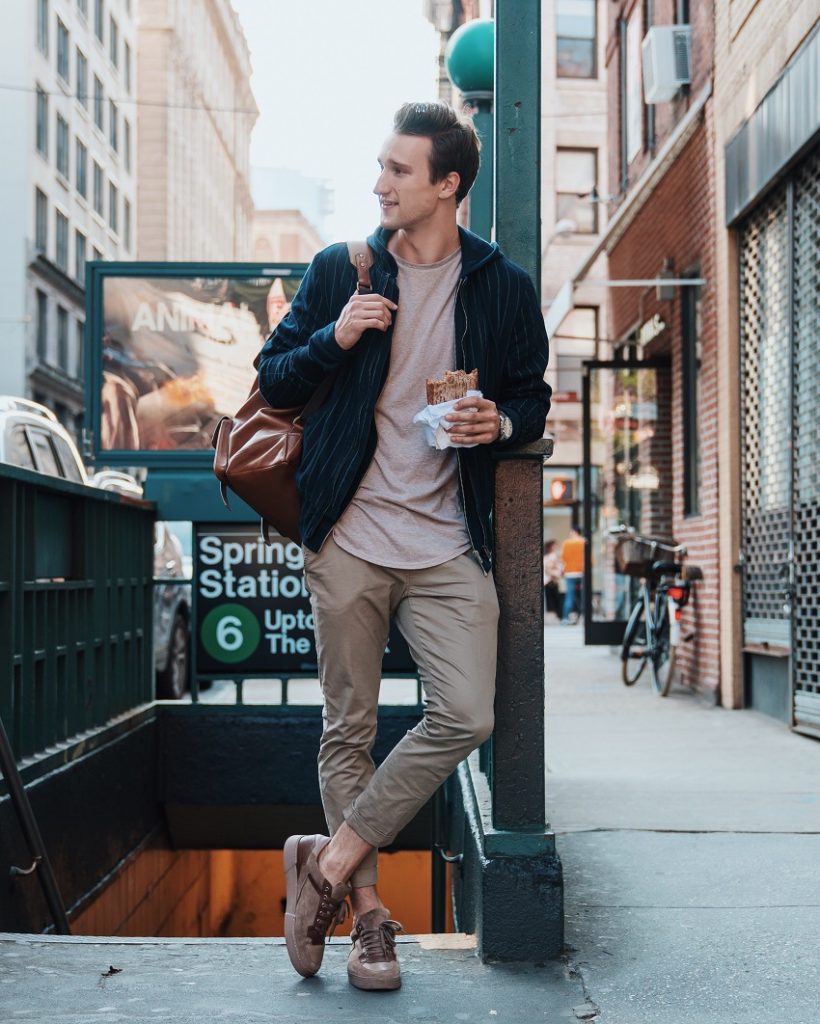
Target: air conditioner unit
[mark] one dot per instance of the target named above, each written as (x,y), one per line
(667,61)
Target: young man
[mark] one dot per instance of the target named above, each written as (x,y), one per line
(392,526)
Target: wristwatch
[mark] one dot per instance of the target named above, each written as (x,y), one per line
(505,427)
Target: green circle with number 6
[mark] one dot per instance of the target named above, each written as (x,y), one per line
(230,633)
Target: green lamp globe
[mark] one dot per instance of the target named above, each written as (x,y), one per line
(470,56)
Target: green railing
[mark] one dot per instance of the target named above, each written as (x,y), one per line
(75,608)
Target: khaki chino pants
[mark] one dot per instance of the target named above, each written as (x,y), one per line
(448,614)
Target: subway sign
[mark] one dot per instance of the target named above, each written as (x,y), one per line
(253,614)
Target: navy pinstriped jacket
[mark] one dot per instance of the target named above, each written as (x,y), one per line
(498,328)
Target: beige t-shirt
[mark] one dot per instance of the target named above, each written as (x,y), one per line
(406,513)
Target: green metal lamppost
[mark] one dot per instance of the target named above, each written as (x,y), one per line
(470,61)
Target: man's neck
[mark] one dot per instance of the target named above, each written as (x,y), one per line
(424,245)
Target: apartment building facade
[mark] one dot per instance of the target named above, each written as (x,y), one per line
(67,183)
(196,114)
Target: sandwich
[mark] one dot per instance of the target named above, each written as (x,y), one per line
(454,384)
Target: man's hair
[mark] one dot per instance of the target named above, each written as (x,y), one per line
(455,143)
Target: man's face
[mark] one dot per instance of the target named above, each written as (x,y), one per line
(407,197)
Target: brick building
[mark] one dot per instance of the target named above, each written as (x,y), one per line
(704,426)
(662,157)
(652,426)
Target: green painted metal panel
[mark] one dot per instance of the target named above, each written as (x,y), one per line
(518,133)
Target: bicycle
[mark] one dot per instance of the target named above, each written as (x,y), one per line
(653,631)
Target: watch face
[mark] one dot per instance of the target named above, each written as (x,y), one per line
(506,427)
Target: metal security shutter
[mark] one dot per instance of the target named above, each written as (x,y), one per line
(766,383)
(806,345)
(780,402)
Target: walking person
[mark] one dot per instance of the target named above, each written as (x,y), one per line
(553,572)
(572,555)
(392,526)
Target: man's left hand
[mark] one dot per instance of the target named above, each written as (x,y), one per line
(474,421)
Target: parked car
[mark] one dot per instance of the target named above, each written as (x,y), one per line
(172,595)
(32,437)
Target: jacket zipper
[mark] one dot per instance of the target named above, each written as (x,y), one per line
(475,552)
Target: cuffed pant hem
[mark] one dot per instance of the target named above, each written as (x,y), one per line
(361,880)
(364,831)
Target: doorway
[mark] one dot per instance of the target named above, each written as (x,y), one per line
(627,479)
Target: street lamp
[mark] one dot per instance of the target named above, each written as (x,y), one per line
(470,62)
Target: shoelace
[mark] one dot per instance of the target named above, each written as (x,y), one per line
(378,944)
(329,915)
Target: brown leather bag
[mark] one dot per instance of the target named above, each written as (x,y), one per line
(258,450)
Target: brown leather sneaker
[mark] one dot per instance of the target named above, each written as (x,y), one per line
(314,906)
(372,964)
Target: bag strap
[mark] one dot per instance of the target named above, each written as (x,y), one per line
(361,256)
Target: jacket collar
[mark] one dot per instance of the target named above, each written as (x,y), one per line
(475,252)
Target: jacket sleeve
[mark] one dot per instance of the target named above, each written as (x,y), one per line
(303,350)
(524,395)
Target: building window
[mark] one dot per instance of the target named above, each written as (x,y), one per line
(62,338)
(99,19)
(576,36)
(97,254)
(127,68)
(99,104)
(112,206)
(576,175)
(42,326)
(82,7)
(42,122)
(79,256)
(80,348)
(61,257)
(62,145)
(62,51)
(42,26)
(82,78)
(81,157)
(126,128)
(126,223)
(40,221)
(113,126)
(576,343)
(632,125)
(690,378)
(114,42)
(98,189)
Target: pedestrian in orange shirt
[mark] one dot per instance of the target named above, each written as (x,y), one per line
(572,555)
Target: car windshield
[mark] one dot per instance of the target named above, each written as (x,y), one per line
(18,450)
(44,453)
(71,471)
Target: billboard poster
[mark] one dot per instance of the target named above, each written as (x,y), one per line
(178,352)
(253,614)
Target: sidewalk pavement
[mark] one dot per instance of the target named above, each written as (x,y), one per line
(690,840)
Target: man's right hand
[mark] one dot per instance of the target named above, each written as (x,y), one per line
(361,314)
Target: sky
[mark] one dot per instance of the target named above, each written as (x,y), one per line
(328,77)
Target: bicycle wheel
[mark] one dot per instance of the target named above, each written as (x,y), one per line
(662,655)
(633,648)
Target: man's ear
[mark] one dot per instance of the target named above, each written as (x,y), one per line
(448,186)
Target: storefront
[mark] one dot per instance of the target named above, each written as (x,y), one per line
(773,206)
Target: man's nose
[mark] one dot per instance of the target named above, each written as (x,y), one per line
(378,188)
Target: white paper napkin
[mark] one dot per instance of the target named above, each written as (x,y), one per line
(433,422)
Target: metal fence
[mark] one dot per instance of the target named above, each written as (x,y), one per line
(75,608)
